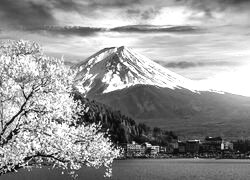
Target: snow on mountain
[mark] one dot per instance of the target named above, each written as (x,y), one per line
(120,67)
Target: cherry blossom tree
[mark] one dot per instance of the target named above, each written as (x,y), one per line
(38,115)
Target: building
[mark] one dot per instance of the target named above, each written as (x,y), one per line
(147,145)
(193,146)
(155,150)
(226,145)
(134,150)
(150,149)
(163,149)
(174,147)
(212,144)
(181,147)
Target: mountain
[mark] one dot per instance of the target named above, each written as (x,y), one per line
(149,93)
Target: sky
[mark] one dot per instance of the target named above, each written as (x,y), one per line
(204,40)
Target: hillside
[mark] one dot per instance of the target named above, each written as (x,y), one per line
(122,129)
(185,112)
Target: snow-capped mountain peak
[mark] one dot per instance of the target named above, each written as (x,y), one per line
(120,67)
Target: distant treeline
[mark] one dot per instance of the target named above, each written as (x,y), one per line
(122,128)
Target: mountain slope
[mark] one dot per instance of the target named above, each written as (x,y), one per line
(187,113)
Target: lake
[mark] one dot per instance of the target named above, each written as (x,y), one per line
(151,169)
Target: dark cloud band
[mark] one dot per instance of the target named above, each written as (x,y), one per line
(67,30)
(113,3)
(155,29)
(187,64)
(89,31)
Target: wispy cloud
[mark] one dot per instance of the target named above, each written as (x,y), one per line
(189,64)
(66,31)
(214,5)
(143,14)
(113,3)
(219,11)
(155,29)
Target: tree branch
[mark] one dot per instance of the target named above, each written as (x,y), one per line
(15,116)
(7,168)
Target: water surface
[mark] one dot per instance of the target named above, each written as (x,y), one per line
(151,169)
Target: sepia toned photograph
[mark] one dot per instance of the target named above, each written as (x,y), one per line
(124,89)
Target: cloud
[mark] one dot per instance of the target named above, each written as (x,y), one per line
(29,13)
(34,13)
(25,13)
(145,14)
(187,64)
(113,3)
(90,31)
(66,31)
(108,13)
(155,29)
(215,4)
(209,7)
(67,5)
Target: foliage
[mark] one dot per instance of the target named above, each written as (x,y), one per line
(122,129)
(38,115)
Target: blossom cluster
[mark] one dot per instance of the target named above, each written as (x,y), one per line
(38,115)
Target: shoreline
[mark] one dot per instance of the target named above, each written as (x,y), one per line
(187,157)
(183,159)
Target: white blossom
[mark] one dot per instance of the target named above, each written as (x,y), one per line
(38,115)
